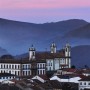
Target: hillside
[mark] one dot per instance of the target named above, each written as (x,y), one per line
(17,37)
(3,51)
(82,32)
(81,55)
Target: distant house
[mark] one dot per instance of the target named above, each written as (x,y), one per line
(5,76)
(86,72)
(84,83)
(41,78)
(64,71)
(66,78)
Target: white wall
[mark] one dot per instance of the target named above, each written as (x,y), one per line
(82,85)
(41,68)
(39,78)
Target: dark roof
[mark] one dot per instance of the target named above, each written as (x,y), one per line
(14,61)
(45,77)
(8,87)
(37,81)
(64,76)
(6,74)
(68,69)
(55,84)
(48,55)
(87,78)
(40,58)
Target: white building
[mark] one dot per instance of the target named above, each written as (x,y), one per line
(84,83)
(37,63)
(66,78)
(57,60)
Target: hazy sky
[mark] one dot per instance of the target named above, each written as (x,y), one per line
(40,11)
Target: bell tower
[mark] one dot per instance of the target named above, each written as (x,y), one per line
(53,48)
(32,52)
(68,50)
(68,55)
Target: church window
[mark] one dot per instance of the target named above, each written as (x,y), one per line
(66,50)
(33,54)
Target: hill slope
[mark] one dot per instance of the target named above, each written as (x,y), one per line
(82,32)
(81,55)
(17,37)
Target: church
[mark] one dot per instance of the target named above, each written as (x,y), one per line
(37,63)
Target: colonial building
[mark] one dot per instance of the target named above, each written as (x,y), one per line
(37,63)
(84,83)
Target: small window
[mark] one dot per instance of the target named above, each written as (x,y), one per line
(85,83)
(12,66)
(10,72)
(40,72)
(4,66)
(51,64)
(15,73)
(18,67)
(9,66)
(29,72)
(43,65)
(38,65)
(89,83)
(15,66)
(80,83)
(1,65)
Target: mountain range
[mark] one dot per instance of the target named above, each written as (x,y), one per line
(16,37)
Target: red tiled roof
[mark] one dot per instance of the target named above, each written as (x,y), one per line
(40,57)
(44,77)
(69,69)
(85,78)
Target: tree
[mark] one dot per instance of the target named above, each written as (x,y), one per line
(73,66)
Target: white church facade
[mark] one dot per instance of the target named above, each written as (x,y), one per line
(38,63)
